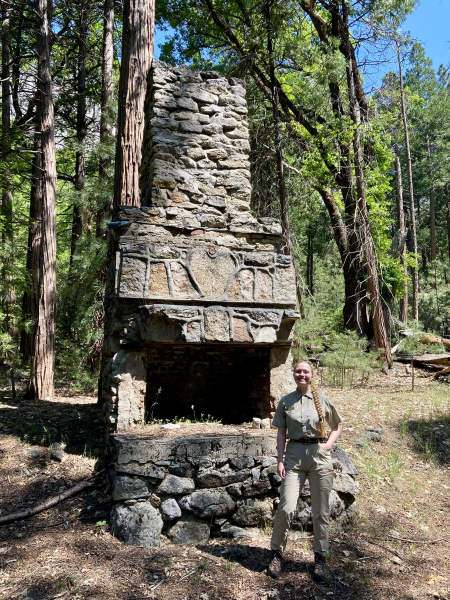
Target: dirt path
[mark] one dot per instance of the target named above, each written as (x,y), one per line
(67,552)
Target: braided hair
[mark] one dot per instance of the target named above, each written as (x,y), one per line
(315,393)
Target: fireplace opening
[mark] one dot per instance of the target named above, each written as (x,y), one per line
(229,384)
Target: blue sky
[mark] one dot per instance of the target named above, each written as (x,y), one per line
(430,24)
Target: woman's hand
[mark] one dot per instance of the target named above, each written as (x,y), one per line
(281,470)
(325,446)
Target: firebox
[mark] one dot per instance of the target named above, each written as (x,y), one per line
(200,299)
(230,384)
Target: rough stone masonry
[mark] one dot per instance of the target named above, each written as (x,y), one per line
(199,312)
(190,489)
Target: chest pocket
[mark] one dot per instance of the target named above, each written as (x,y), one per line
(294,415)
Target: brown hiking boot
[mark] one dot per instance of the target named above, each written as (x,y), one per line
(274,568)
(320,571)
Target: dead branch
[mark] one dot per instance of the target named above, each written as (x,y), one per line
(25,514)
(417,541)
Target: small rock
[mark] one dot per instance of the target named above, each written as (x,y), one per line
(265,423)
(372,436)
(172,484)
(232,531)
(170,510)
(359,443)
(138,525)
(184,469)
(34,453)
(58,455)
(376,430)
(26,471)
(269,461)
(171,426)
(256,423)
(210,503)
(396,560)
(256,475)
(155,501)
(254,512)
(244,462)
(189,530)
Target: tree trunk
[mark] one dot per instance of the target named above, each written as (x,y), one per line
(31,296)
(9,296)
(107,95)
(403,311)
(80,166)
(137,54)
(381,339)
(432,207)
(41,383)
(309,259)
(448,230)
(412,216)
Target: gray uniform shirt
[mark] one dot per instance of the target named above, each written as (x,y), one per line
(297,413)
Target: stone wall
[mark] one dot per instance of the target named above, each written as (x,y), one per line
(190,489)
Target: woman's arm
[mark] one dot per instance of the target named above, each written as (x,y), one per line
(333,437)
(281,443)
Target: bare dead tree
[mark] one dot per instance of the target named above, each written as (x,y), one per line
(403,312)
(412,216)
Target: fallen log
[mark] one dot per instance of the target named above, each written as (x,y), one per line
(428,338)
(25,514)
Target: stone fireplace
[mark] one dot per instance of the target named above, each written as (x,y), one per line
(199,315)
(201,299)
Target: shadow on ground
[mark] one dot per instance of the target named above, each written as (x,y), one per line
(40,423)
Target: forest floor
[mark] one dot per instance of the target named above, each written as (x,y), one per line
(398,545)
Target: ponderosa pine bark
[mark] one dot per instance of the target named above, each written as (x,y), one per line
(41,384)
(412,215)
(137,54)
(107,94)
(30,304)
(403,309)
(80,163)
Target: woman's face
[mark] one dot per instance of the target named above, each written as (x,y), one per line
(303,374)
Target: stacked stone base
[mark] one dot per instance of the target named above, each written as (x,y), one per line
(192,488)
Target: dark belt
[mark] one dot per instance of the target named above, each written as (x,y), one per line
(308,440)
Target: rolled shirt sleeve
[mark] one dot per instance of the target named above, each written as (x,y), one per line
(279,419)
(331,414)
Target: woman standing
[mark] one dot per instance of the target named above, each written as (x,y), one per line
(300,417)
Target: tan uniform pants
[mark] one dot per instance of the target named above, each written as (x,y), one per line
(302,461)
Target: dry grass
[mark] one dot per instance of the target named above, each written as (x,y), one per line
(67,551)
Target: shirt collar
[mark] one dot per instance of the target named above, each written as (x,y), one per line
(309,394)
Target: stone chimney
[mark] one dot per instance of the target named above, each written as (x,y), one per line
(200,302)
